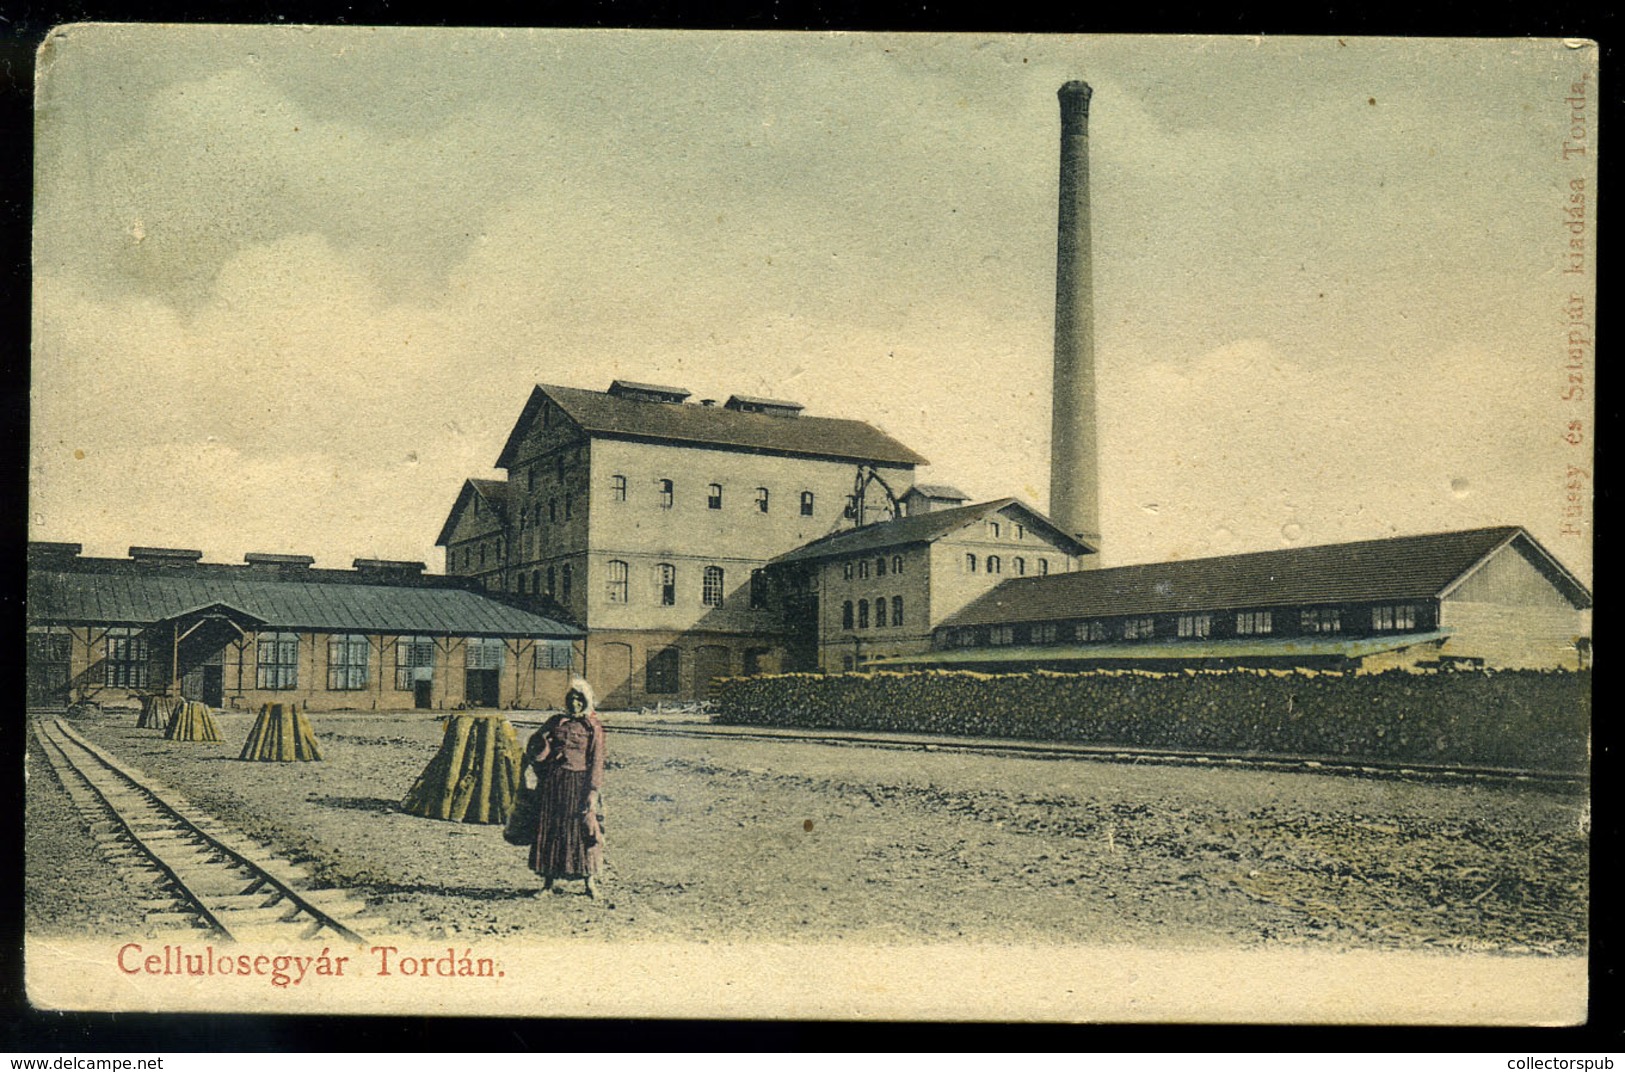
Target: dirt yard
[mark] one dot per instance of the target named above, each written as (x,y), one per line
(751,840)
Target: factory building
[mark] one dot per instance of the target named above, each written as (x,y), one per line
(1482,598)
(379,636)
(649,519)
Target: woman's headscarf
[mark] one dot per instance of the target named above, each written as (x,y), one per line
(579,685)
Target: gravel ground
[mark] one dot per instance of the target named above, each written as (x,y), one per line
(754,840)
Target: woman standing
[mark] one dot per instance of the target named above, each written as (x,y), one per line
(569,764)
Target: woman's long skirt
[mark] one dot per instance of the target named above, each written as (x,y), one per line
(561,849)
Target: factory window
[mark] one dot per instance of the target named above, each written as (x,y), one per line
(897,563)
(896,610)
(414,662)
(617,488)
(863,614)
(1254,622)
(1043,567)
(126,665)
(536,581)
(1139,628)
(668,584)
(1021,532)
(863,570)
(970,563)
(713,497)
(1001,634)
(711,587)
(806,504)
(482,554)
(277,661)
(482,654)
(761,500)
(617,582)
(552,510)
(347,662)
(524,584)
(1044,633)
(660,674)
(1195,626)
(994,565)
(1320,620)
(993,529)
(666,496)
(880,613)
(1403,616)
(758,589)
(1019,566)
(846,570)
(551,586)
(569,501)
(846,615)
(880,566)
(555,655)
(564,586)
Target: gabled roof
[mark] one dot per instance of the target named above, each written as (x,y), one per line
(139,599)
(1399,568)
(920,528)
(600,414)
(937,491)
(493,492)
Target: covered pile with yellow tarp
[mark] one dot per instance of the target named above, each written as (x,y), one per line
(472,779)
(192,721)
(154,713)
(281,735)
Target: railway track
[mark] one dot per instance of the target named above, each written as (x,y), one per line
(212,878)
(1060,750)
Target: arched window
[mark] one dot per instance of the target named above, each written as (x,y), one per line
(970,563)
(863,614)
(806,504)
(564,584)
(551,586)
(897,563)
(713,497)
(711,591)
(552,510)
(617,488)
(896,610)
(1043,567)
(880,613)
(846,570)
(666,496)
(994,565)
(536,581)
(524,584)
(482,554)
(880,566)
(993,528)
(618,586)
(863,570)
(1019,565)
(846,615)
(668,584)
(761,500)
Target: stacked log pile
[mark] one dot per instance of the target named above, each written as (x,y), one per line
(154,713)
(192,721)
(474,776)
(281,734)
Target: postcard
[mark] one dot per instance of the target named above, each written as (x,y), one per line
(811,525)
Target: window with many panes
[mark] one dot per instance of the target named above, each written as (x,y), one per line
(1044,633)
(555,655)
(806,504)
(1402,616)
(1138,628)
(1320,620)
(1195,626)
(667,579)
(1089,631)
(660,673)
(713,497)
(483,653)
(618,590)
(1254,622)
(126,665)
(1001,634)
(711,587)
(617,488)
(347,661)
(277,661)
(414,661)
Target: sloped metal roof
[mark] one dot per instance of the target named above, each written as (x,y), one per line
(916,528)
(598,413)
(1287,648)
(1399,568)
(130,598)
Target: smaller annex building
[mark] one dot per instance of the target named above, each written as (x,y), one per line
(1492,598)
(380,635)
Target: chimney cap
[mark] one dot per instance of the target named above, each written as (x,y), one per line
(1075,106)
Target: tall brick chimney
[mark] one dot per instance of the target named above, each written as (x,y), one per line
(1074,479)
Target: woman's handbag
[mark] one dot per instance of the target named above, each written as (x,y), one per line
(526,815)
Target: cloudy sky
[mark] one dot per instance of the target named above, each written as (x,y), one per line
(293,285)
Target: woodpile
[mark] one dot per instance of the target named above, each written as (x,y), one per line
(192,721)
(472,779)
(154,713)
(281,735)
